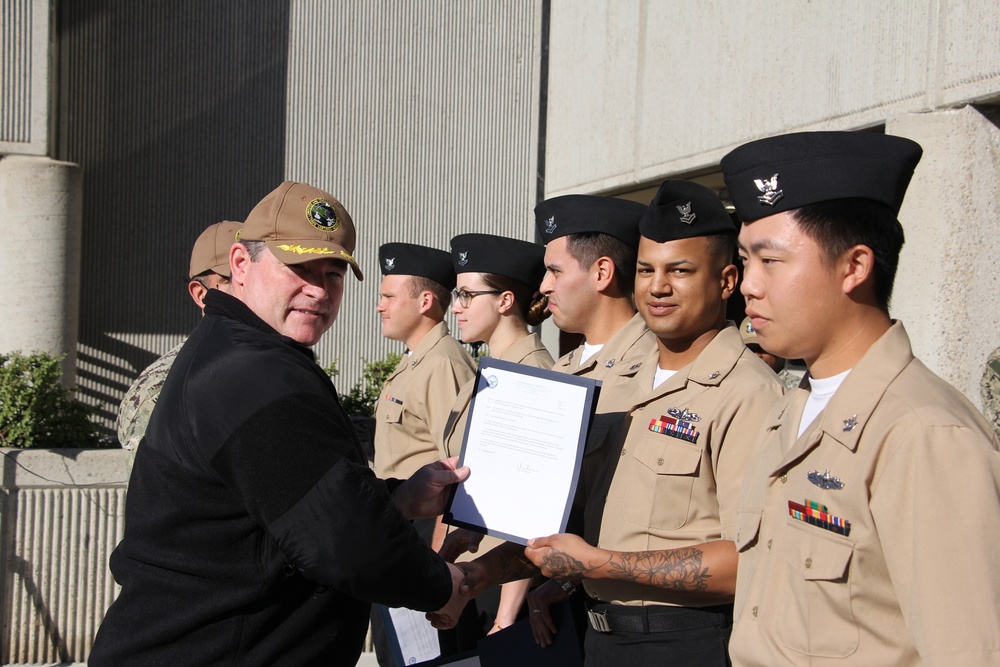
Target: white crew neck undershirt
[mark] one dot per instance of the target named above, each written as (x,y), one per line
(589,351)
(820,393)
(661,376)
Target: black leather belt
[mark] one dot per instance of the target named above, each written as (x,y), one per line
(621,618)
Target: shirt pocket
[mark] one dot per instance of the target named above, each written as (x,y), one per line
(814,606)
(668,469)
(398,440)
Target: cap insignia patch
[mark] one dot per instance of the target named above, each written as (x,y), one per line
(322,215)
(463,258)
(390,263)
(687,217)
(550,225)
(770,189)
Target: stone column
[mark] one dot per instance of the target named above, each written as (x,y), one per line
(947,290)
(40,227)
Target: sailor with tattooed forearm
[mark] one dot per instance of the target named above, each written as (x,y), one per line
(659,562)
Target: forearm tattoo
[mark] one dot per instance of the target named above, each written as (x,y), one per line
(561,564)
(675,570)
(512,565)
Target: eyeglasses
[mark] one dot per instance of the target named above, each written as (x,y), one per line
(464,296)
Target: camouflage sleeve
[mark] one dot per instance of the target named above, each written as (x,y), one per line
(989,387)
(140,399)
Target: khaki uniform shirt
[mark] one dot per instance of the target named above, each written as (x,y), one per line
(528,351)
(686,448)
(413,408)
(618,359)
(903,565)
(631,342)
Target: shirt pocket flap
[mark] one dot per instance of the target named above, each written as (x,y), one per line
(668,456)
(747,527)
(815,556)
(394,413)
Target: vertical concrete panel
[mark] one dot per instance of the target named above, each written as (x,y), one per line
(25,34)
(62,516)
(421,118)
(40,222)
(947,284)
(176,113)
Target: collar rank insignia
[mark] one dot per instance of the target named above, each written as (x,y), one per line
(463,258)
(682,413)
(850,424)
(713,375)
(550,225)
(675,426)
(635,366)
(390,263)
(825,481)
(770,189)
(609,363)
(687,217)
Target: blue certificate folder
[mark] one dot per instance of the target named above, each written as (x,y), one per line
(524,441)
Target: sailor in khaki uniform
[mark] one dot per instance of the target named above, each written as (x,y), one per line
(868,522)
(590,246)
(496,299)
(662,575)
(415,401)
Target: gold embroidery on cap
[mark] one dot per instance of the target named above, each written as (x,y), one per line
(299,250)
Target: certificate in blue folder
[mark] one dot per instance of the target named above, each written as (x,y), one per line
(524,442)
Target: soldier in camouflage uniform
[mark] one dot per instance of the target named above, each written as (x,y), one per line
(989,387)
(209,269)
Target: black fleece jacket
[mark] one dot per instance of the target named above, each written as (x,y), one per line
(255,533)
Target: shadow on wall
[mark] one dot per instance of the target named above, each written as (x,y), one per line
(176,112)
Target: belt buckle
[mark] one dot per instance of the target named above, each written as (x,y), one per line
(598,621)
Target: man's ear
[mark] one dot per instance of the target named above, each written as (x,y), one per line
(730,276)
(426,301)
(857,265)
(239,259)
(603,271)
(197,292)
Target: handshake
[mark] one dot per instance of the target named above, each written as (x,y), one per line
(463,589)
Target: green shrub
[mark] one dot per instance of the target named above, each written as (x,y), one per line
(360,400)
(36,411)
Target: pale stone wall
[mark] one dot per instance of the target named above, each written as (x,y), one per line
(643,89)
(948,284)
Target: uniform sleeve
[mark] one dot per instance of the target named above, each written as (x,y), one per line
(295,467)
(936,505)
(737,443)
(445,380)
